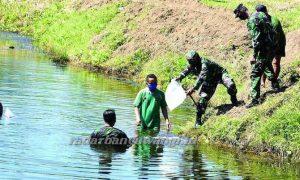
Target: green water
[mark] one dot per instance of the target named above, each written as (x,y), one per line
(53,104)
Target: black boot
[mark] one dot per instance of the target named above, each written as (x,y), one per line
(199,114)
(198,122)
(275,86)
(234,100)
(253,103)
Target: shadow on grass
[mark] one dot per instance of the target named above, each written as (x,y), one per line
(264,95)
(224,108)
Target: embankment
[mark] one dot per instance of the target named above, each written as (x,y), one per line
(133,38)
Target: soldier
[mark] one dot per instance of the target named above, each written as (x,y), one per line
(109,132)
(262,36)
(279,39)
(209,76)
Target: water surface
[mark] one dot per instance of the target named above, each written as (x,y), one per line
(53,104)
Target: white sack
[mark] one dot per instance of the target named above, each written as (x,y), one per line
(175,95)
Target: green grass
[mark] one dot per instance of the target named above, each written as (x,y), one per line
(92,36)
(288,11)
(129,64)
(70,32)
(272,126)
(165,67)
(66,34)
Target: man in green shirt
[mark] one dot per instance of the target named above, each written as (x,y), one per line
(148,103)
(280,41)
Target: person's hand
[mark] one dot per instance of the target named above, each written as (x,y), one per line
(177,78)
(138,122)
(168,124)
(190,91)
(252,61)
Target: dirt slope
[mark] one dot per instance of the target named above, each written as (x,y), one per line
(180,25)
(293,46)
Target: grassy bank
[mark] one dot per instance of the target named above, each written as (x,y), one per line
(115,37)
(287,11)
(272,127)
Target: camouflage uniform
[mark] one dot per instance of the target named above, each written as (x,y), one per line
(209,75)
(109,132)
(263,51)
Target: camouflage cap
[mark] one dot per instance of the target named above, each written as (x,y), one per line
(240,8)
(192,54)
(261,8)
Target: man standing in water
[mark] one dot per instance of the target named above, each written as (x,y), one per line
(262,36)
(280,42)
(209,74)
(147,104)
(109,131)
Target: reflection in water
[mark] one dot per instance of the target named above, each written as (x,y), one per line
(199,167)
(54,104)
(147,153)
(106,155)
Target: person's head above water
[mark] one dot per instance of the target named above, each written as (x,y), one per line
(1,109)
(241,12)
(151,81)
(109,117)
(193,58)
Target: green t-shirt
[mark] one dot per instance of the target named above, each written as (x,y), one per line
(149,104)
(280,36)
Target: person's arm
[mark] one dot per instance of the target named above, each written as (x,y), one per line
(137,116)
(137,104)
(165,114)
(164,111)
(254,34)
(202,77)
(184,73)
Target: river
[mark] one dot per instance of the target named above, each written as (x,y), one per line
(53,104)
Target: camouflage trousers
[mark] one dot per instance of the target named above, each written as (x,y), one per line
(208,89)
(262,66)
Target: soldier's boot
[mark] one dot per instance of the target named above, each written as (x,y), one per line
(253,103)
(200,111)
(198,121)
(275,86)
(234,100)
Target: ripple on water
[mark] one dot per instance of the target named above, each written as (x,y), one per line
(54,104)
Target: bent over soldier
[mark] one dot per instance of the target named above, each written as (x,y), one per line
(209,74)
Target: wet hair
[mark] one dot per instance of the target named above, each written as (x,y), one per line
(109,116)
(1,109)
(151,76)
(240,8)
